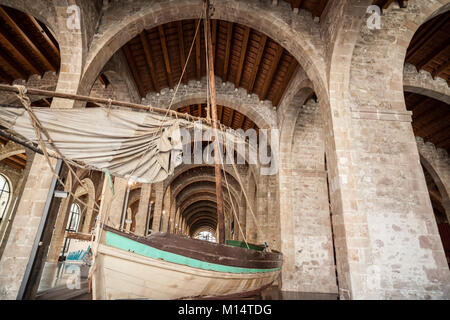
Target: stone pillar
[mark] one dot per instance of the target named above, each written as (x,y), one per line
(115,207)
(5,226)
(87,226)
(157,213)
(172,216)
(142,214)
(25,227)
(387,241)
(176,227)
(165,218)
(60,230)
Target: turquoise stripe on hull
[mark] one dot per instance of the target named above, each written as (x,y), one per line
(120,242)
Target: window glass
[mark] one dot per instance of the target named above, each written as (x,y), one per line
(5,195)
(74,218)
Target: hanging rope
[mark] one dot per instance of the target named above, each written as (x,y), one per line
(208,110)
(232,205)
(174,95)
(39,130)
(255,220)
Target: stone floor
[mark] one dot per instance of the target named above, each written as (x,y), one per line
(271,293)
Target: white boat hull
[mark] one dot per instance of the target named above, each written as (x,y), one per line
(124,275)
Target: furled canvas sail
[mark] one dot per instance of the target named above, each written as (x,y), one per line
(144,146)
(113,140)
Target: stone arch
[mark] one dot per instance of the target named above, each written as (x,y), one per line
(72,42)
(367,90)
(10,149)
(43,10)
(10,196)
(437,162)
(87,188)
(279,23)
(390,47)
(423,83)
(300,90)
(260,112)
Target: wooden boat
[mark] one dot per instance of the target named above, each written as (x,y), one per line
(166,266)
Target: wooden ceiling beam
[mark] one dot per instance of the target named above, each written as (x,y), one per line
(437,52)
(162,37)
(292,67)
(233,112)
(437,126)
(226,61)
(21,59)
(11,70)
(19,161)
(441,69)
(424,36)
(134,70)
(198,61)
(11,23)
(12,164)
(53,48)
(242,57)
(4,76)
(148,59)
(273,69)
(214,38)
(181,49)
(259,55)
(242,122)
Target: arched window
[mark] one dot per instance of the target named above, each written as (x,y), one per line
(5,195)
(206,235)
(74,218)
(72,226)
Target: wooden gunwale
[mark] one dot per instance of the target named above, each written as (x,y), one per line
(207,251)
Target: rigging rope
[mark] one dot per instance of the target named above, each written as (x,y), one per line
(174,94)
(39,129)
(255,220)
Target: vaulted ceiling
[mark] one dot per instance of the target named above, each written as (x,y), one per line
(242,55)
(27,47)
(431,119)
(17,161)
(430,47)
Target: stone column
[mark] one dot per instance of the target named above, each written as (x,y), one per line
(25,227)
(176,227)
(172,216)
(393,248)
(157,213)
(142,214)
(166,210)
(60,230)
(115,207)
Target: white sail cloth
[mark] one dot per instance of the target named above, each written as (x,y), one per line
(143,146)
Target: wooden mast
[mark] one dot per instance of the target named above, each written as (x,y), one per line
(217,170)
